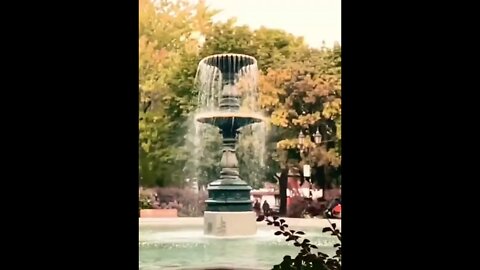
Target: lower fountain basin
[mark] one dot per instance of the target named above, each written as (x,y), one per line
(180,244)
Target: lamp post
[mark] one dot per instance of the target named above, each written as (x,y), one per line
(317,138)
(305,149)
(306,175)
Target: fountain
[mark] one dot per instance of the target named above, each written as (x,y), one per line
(227,237)
(224,81)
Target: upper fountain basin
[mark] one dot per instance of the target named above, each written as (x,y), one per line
(229,62)
(228,119)
(230,65)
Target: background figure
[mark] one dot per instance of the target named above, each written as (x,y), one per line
(256,207)
(266,208)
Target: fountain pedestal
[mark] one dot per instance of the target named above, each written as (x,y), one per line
(229,208)
(230,223)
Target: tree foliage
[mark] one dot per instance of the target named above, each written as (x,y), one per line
(169,45)
(305,95)
(300,89)
(271,47)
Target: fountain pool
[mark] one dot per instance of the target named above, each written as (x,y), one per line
(180,243)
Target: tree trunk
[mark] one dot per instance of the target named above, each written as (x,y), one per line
(328,177)
(283,182)
(320,177)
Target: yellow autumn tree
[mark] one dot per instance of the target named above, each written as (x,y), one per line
(305,95)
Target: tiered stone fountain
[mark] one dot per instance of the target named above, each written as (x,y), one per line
(228,207)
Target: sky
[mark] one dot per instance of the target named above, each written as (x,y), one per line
(315,20)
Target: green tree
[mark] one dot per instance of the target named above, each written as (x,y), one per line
(228,38)
(169,42)
(271,47)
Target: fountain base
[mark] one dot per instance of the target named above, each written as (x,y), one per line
(230,223)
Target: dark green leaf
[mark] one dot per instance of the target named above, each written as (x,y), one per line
(310,257)
(322,254)
(327,229)
(287,258)
(260,218)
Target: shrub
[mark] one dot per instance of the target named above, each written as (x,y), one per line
(301,207)
(145,198)
(187,202)
(306,259)
(297,207)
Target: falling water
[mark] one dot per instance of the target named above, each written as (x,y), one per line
(200,140)
(214,74)
(239,71)
(196,147)
(253,140)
